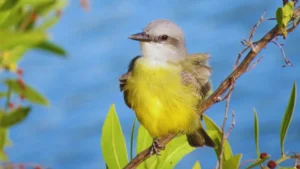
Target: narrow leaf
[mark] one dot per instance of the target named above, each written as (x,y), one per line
(215,133)
(113,142)
(256,133)
(197,165)
(285,123)
(132,138)
(233,162)
(51,47)
(258,162)
(28,92)
(14,117)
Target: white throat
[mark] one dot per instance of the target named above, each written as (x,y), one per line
(159,54)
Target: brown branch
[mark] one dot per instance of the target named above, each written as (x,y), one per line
(223,87)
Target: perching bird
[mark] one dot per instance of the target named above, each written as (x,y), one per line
(165,86)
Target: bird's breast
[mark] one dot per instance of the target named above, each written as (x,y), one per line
(162,103)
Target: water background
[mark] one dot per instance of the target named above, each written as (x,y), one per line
(82,87)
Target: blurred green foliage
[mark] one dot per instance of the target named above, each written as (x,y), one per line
(23,27)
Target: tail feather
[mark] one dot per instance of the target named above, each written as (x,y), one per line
(200,138)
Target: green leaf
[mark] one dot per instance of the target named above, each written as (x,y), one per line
(144,140)
(215,133)
(28,92)
(258,162)
(132,138)
(47,23)
(11,39)
(285,123)
(233,162)
(283,17)
(51,47)
(14,117)
(8,4)
(256,133)
(174,152)
(197,165)
(35,2)
(2,138)
(3,94)
(113,142)
(3,156)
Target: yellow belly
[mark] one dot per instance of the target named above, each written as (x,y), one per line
(162,103)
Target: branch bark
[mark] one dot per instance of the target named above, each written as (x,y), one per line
(223,87)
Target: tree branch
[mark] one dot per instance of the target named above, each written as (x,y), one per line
(223,87)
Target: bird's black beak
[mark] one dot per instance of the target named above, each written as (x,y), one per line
(140,37)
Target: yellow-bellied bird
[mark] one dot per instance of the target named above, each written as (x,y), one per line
(165,86)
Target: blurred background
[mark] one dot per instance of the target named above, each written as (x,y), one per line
(82,87)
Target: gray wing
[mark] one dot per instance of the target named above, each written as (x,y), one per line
(196,72)
(123,79)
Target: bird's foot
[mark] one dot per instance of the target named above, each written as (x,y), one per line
(156,147)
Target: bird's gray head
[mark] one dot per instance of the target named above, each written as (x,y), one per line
(163,38)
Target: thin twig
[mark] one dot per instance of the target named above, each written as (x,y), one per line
(287,62)
(237,62)
(231,126)
(224,124)
(222,88)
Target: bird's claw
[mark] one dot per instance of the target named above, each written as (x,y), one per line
(156,147)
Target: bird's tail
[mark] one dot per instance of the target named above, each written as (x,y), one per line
(199,138)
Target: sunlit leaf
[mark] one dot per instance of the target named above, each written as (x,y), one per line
(14,117)
(47,23)
(197,165)
(256,133)
(233,162)
(144,140)
(174,152)
(285,123)
(215,133)
(28,92)
(2,138)
(113,142)
(284,15)
(10,39)
(258,162)
(51,47)
(3,156)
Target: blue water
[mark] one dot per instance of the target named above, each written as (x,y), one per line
(82,87)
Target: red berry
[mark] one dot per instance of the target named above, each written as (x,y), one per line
(263,155)
(11,105)
(272,164)
(20,72)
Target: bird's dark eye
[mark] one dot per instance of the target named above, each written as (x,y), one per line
(164,37)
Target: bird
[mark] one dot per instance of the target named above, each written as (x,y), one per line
(165,86)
